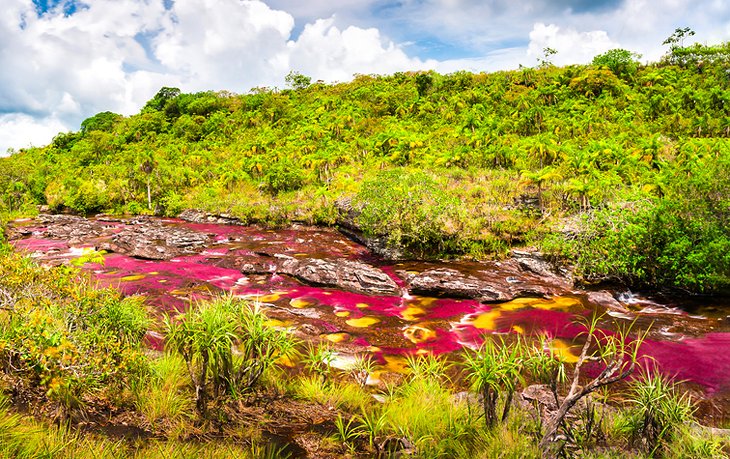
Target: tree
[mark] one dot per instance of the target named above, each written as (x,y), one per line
(676,40)
(163,96)
(546,59)
(619,61)
(297,81)
(103,121)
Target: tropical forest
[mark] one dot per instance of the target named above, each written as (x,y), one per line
(532,263)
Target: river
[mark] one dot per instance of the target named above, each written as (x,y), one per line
(689,338)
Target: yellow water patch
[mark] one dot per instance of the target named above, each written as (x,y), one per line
(418,334)
(562,351)
(519,303)
(299,303)
(277,323)
(518,329)
(337,337)
(269,298)
(342,313)
(362,305)
(561,303)
(153,273)
(426,301)
(300,254)
(362,322)
(410,313)
(487,320)
(162,281)
(134,277)
(395,363)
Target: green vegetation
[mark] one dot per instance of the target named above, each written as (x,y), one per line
(73,353)
(618,168)
(614,166)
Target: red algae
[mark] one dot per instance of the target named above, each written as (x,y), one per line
(388,326)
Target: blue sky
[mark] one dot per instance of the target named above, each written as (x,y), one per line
(62,61)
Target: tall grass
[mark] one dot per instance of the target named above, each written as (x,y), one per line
(227,346)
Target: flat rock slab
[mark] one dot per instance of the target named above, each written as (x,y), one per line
(154,241)
(450,282)
(491,282)
(345,274)
(71,228)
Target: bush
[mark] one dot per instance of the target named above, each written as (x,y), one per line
(409,208)
(206,336)
(620,61)
(59,334)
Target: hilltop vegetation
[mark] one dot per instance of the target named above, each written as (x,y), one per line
(618,167)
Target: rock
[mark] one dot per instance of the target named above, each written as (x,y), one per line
(345,274)
(396,447)
(534,262)
(605,299)
(450,282)
(156,241)
(197,216)
(71,228)
(540,394)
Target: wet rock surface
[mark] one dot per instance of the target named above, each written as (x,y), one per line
(348,275)
(488,282)
(154,241)
(446,282)
(197,216)
(71,228)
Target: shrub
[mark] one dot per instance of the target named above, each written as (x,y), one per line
(206,337)
(409,208)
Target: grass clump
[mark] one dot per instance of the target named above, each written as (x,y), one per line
(227,346)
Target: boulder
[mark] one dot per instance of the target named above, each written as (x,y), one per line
(448,282)
(489,285)
(71,228)
(344,274)
(197,216)
(156,241)
(606,300)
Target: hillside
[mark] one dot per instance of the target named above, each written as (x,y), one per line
(619,168)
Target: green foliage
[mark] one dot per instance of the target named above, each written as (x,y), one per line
(495,370)
(297,81)
(206,337)
(620,61)
(408,207)
(658,413)
(282,176)
(60,334)
(476,152)
(104,121)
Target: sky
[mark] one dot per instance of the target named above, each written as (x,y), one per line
(62,61)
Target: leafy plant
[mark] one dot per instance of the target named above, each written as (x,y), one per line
(495,370)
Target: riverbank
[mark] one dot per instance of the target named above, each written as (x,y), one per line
(384,327)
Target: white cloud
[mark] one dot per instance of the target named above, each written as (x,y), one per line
(21,131)
(115,54)
(328,53)
(572,47)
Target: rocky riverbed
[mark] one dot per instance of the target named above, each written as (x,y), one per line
(324,285)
